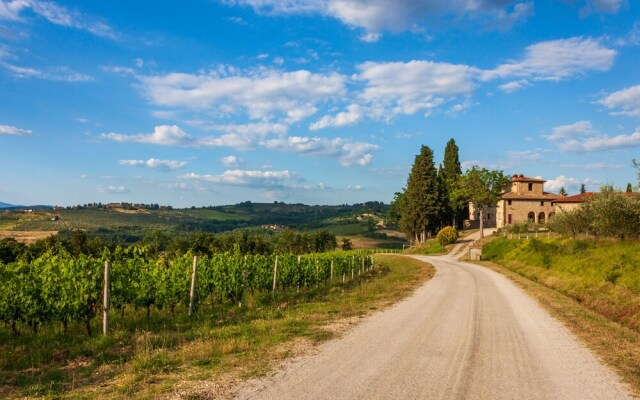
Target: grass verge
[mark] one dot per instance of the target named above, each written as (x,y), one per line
(573,281)
(200,358)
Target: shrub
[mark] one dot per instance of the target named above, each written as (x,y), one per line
(447,235)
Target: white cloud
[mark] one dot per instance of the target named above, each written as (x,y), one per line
(564,132)
(346,151)
(349,153)
(370,37)
(514,86)
(113,189)
(163,135)
(416,86)
(352,116)
(554,185)
(62,73)
(627,101)
(55,14)
(556,60)
(384,15)
(154,163)
(260,93)
(232,161)
(596,165)
(602,6)
(238,177)
(602,143)
(13,131)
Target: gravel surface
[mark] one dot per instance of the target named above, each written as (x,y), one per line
(468,333)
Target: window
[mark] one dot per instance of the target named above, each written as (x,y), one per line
(509,202)
(531,217)
(509,219)
(542,203)
(530,186)
(541,218)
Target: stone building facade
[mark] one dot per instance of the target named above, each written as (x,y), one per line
(524,201)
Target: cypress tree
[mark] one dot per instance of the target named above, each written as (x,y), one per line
(422,210)
(583,188)
(451,177)
(629,188)
(563,192)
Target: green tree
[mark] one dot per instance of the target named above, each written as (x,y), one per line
(421,213)
(563,192)
(483,188)
(452,172)
(394,213)
(583,188)
(629,188)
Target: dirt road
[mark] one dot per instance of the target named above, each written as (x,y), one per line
(468,333)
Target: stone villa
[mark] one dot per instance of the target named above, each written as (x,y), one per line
(524,201)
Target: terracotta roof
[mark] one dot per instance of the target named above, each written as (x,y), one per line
(578,198)
(522,178)
(516,196)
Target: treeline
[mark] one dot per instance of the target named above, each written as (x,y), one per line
(77,242)
(609,213)
(437,197)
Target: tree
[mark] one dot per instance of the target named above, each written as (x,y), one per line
(563,192)
(395,209)
(451,175)
(422,210)
(583,188)
(629,188)
(483,188)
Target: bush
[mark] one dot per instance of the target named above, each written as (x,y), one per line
(447,235)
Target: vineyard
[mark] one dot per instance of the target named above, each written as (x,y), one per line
(61,289)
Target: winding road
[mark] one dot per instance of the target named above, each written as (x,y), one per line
(468,333)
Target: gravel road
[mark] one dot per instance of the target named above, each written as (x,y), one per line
(468,333)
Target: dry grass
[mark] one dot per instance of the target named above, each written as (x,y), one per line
(615,344)
(27,237)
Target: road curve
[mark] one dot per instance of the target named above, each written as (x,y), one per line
(468,333)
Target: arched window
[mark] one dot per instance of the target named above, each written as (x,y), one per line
(541,218)
(551,215)
(531,217)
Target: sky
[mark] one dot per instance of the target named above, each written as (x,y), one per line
(197,103)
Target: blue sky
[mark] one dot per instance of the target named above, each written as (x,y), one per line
(320,102)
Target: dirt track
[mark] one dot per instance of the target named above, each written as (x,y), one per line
(468,333)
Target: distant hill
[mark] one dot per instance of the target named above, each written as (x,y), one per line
(7,206)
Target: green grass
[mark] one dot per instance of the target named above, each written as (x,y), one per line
(430,247)
(223,343)
(603,275)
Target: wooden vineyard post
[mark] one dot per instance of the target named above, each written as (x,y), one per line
(275,277)
(332,270)
(298,288)
(192,293)
(105,305)
(362,267)
(353,261)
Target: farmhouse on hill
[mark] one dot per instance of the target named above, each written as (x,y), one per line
(524,201)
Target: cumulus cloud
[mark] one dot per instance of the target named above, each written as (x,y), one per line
(582,137)
(564,132)
(163,135)
(346,151)
(260,179)
(154,163)
(557,60)
(232,161)
(602,143)
(625,101)
(514,86)
(259,93)
(113,189)
(55,14)
(389,15)
(352,116)
(349,153)
(416,86)
(63,73)
(554,185)
(13,131)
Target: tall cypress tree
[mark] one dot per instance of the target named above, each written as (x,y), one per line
(451,177)
(422,209)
